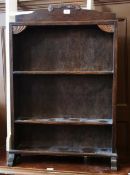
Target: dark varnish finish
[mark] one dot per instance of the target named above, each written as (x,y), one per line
(75,96)
(57,17)
(74,138)
(63,79)
(50,47)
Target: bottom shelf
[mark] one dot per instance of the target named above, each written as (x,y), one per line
(64,151)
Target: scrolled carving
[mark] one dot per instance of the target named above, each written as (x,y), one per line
(106,28)
(18,29)
(62,6)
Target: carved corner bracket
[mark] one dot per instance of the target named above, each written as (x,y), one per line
(18,29)
(107,28)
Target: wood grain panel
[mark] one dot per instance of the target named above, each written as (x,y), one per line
(59,91)
(122,136)
(76,138)
(122,97)
(83,39)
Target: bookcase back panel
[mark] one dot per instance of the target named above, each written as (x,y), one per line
(51,137)
(61,48)
(88,96)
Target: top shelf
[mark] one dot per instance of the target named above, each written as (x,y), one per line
(64,72)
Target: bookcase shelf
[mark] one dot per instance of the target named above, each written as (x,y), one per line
(64,72)
(63,84)
(63,121)
(79,151)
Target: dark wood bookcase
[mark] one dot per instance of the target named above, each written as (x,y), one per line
(63,84)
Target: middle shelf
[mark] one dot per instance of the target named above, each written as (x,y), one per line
(34,72)
(63,121)
(63,99)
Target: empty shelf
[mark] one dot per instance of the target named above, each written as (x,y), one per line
(65,150)
(64,121)
(64,72)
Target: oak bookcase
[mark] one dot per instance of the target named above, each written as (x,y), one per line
(63,83)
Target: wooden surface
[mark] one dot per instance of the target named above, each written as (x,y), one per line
(74,142)
(57,17)
(123,109)
(37,165)
(123,77)
(70,50)
(54,41)
(65,120)
(56,92)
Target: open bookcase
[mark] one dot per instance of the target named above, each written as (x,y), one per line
(63,84)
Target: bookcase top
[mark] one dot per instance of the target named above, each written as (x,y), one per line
(64,14)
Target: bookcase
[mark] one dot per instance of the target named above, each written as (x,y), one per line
(63,84)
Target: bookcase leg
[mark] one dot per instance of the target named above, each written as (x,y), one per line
(114,163)
(17,158)
(10,159)
(85,159)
